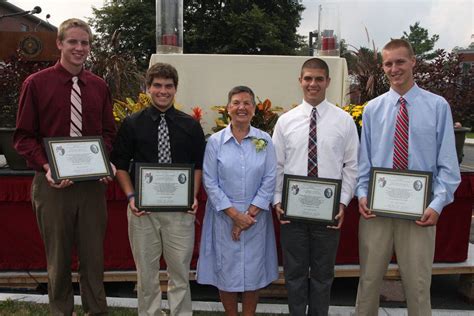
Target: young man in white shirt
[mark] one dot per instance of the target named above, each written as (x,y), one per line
(310,248)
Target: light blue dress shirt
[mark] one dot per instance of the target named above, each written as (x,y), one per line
(431,145)
(238,175)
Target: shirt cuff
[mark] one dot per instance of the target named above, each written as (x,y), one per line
(224,204)
(260,203)
(345,199)
(276,199)
(122,165)
(437,206)
(361,192)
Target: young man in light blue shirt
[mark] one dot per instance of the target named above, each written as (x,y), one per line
(431,148)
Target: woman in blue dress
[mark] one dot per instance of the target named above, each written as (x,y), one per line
(238,251)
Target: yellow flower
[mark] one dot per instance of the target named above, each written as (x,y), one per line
(355,111)
(122,109)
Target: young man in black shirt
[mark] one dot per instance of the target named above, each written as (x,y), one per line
(160,134)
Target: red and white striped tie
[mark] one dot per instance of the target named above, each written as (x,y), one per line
(400,147)
(76,109)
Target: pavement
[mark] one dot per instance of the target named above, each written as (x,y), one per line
(469,141)
(217,307)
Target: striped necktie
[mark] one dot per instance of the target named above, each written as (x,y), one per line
(312,146)
(164,147)
(400,142)
(76,109)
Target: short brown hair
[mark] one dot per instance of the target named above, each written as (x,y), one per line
(161,70)
(397,43)
(315,63)
(240,89)
(69,24)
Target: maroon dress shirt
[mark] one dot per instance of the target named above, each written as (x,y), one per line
(45,111)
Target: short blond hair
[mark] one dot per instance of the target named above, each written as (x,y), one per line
(69,24)
(397,43)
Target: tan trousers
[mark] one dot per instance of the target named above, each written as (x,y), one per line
(414,247)
(76,215)
(170,234)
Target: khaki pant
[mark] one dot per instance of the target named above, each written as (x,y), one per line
(76,215)
(414,247)
(170,234)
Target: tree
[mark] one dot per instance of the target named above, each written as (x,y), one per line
(217,26)
(242,27)
(366,72)
(134,20)
(445,76)
(421,42)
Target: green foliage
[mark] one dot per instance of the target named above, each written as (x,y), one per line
(445,76)
(365,70)
(242,27)
(119,69)
(134,20)
(421,42)
(223,27)
(13,71)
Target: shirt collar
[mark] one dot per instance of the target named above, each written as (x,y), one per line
(228,133)
(409,97)
(155,113)
(65,76)
(321,108)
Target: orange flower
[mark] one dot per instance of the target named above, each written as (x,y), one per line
(267,104)
(196,113)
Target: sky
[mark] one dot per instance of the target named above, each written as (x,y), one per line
(383,19)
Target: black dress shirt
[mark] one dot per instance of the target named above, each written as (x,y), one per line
(137,139)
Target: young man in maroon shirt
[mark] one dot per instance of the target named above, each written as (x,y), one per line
(68,213)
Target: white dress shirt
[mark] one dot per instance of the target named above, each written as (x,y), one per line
(337,139)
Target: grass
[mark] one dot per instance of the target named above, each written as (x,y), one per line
(14,308)
(470,135)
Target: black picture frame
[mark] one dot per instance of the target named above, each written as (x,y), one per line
(77,158)
(314,193)
(397,193)
(156,184)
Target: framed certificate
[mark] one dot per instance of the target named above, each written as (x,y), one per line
(77,158)
(399,193)
(164,187)
(310,199)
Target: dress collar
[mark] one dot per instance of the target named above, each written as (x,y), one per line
(156,114)
(321,108)
(65,76)
(228,133)
(409,97)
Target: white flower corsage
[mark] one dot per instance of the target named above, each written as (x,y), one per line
(260,143)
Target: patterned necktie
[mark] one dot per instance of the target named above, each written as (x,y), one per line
(400,142)
(164,147)
(76,109)
(312,146)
